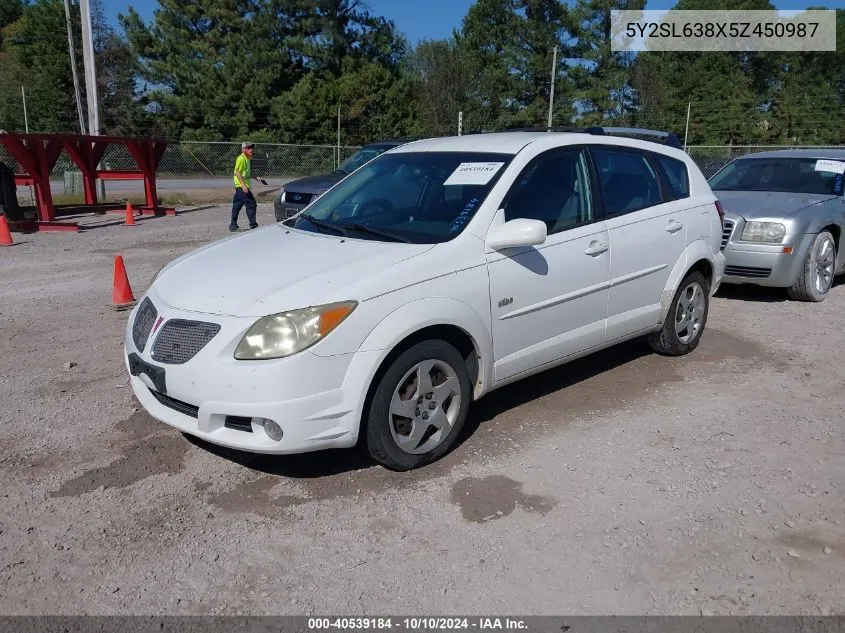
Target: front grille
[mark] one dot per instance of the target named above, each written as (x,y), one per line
(748,271)
(180,340)
(144,320)
(295,197)
(727,230)
(238,423)
(176,405)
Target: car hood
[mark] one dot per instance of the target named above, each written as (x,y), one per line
(274,269)
(753,205)
(315,184)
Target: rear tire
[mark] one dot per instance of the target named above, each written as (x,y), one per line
(684,324)
(419,406)
(816,277)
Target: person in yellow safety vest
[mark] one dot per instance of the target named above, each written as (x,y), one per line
(243,188)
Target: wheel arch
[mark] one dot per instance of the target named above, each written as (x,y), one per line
(437,318)
(835,231)
(697,256)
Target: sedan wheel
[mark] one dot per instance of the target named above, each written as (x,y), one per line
(816,277)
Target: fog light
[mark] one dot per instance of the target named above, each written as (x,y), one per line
(273,430)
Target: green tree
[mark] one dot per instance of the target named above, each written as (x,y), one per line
(330,31)
(373,104)
(442,73)
(727,91)
(510,42)
(602,76)
(213,64)
(35,49)
(806,93)
(10,12)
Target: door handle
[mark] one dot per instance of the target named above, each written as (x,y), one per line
(674,226)
(595,249)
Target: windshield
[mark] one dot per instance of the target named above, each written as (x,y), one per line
(420,197)
(793,175)
(361,157)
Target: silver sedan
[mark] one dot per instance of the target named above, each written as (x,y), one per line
(784,217)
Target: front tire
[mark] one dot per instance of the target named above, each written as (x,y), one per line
(419,406)
(684,324)
(816,276)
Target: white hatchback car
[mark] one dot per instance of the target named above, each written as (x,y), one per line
(438,272)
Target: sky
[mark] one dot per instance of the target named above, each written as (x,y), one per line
(433,19)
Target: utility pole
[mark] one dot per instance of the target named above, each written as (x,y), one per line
(686,130)
(90,70)
(73,67)
(91,81)
(25,116)
(552,91)
(26,129)
(460,122)
(338,138)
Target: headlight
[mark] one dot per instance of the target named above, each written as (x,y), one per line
(764,232)
(282,195)
(286,333)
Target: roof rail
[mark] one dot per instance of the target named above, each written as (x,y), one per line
(667,138)
(543,128)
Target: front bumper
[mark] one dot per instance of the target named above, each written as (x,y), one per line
(316,400)
(766,264)
(284,210)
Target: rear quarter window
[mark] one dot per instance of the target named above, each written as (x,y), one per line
(676,176)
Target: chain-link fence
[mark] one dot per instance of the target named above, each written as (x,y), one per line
(711,158)
(197,159)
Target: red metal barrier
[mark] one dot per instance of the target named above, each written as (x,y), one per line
(37,155)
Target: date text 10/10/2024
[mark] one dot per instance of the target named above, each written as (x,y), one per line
(412,624)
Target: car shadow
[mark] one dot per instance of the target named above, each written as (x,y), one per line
(550,381)
(751,293)
(337,461)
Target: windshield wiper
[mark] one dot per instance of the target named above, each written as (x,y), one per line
(320,224)
(363,228)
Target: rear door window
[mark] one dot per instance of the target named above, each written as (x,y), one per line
(675,175)
(628,182)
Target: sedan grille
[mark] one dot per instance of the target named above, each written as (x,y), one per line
(181,340)
(295,197)
(727,230)
(144,320)
(748,271)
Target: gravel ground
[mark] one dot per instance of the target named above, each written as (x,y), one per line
(622,483)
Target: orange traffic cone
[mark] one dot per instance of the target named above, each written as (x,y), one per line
(5,234)
(130,215)
(122,297)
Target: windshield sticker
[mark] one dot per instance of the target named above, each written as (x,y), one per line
(460,221)
(834,166)
(473,174)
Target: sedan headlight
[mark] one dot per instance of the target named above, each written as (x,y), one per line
(764,232)
(286,333)
(282,195)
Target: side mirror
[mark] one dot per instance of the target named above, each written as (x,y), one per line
(516,233)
